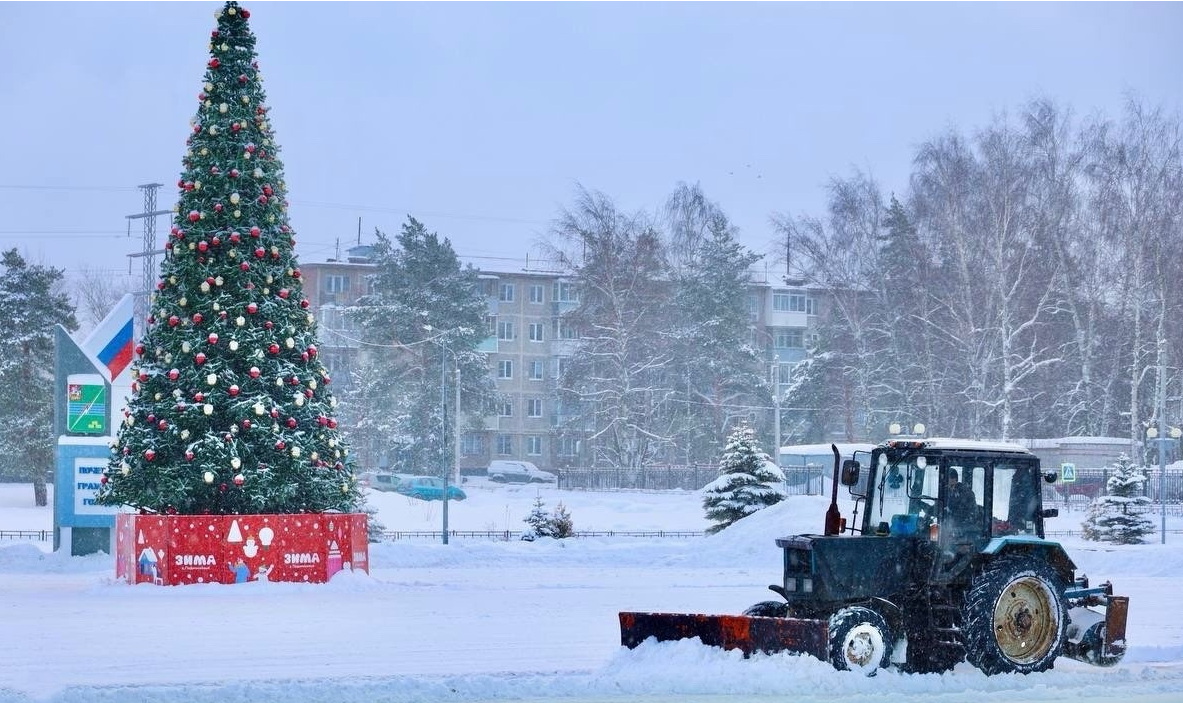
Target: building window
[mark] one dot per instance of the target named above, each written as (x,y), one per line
(534,407)
(505,408)
(561,365)
(504,330)
(793,302)
(536,367)
(753,306)
(472,444)
(568,446)
(504,444)
(536,293)
(535,331)
(336,284)
(564,329)
(505,368)
(784,373)
(506,295)
(490,325)
(790,339)
(565,293)
(488,288)
(534,445)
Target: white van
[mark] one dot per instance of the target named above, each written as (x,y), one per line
(504,471)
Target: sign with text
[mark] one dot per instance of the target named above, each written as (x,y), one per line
(87,474)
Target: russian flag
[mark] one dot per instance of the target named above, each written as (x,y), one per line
(110,343)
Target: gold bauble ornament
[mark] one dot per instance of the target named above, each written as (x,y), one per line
(223,108)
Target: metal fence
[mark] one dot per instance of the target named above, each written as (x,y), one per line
(1092,483)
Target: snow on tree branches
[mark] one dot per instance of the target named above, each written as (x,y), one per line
(1118,517)
(747,481)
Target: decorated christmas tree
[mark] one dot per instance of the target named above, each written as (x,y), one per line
(747,481)
(231,410)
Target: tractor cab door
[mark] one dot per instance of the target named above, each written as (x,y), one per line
(964,528)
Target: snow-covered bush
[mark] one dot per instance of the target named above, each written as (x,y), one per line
(1119,516)
(557,524)
(747,481)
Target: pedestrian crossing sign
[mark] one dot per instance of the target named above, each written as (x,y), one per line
(1067,473)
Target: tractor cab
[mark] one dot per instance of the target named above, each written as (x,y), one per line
(962,493)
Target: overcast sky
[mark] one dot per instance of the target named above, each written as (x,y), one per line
(480,119)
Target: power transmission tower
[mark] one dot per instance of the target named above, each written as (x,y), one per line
(148,253)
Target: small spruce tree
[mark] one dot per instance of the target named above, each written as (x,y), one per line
(747,481)
(1119,516)
(561,524)
(538,521)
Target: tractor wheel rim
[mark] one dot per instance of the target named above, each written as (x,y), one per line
(1025,622)
(863,647)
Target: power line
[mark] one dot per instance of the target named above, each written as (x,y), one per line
(48,187)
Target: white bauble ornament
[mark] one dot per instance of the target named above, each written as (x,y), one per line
(207,409)
(208,476)
(212,379)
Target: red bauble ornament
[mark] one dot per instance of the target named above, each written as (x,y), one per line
(304,303)
(198,397)
(244,266)
(252,308)
(255,232)
(197,318)
(150,454)
(200,358)
(312,350)
(246,14)
(210,279)
(217,207)
(296,273)
(140,349)
(235,237)
(303,356)
(223,487)
(214,242)
(223,314)
(260,253)
(173,374)
(214,170)
(251,148)
(292,422)
(203,245)
(307,392)
(322,420)
(189,185)
(234,173)
(214,62)
(275,255)
(233,391)
(194,216)
(327,380)
(162,426)
(332,424)
(151,418)
(239,480)
(255,372)
(294,381)
(242,78)
(160,284)
(267,190)
(213,338)
(246,424)
(280,445)
(268,324)
(274,412)
(262,199)
(173,321)
(188,455)
(250,285)
(168,246)
(283,292)
(339,466)
(235,127)
(103,479)
(274,348)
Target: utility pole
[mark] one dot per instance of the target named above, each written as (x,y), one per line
(776,408)
(148,252)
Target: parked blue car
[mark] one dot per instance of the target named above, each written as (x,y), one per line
(428,488)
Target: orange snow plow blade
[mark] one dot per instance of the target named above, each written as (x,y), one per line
(748,634)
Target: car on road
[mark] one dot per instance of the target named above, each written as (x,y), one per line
(429,488)
(504,471)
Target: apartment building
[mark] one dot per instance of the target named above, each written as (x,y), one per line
(528,344)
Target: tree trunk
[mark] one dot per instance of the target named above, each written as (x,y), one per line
(40,491)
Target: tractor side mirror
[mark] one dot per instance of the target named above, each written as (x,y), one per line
(1051,476)
(1049,512)
(850,471)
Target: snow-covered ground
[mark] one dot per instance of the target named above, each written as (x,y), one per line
(483,620)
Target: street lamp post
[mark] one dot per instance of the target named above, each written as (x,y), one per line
(445,469)
(776,409)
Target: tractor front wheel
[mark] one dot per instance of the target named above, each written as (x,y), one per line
(859,640)
(1014,617)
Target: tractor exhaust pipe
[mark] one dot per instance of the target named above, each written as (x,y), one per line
(833,515)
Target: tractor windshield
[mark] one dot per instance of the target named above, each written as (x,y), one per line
(902,498)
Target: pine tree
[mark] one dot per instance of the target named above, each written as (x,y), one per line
(1118,516)
(561,525)
(747,481)
(538,521)
(31,303)
(231,410)
(425,310)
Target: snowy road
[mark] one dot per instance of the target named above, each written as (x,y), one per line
(481,633)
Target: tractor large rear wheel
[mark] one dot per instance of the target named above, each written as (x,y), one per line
(1014,617)
(859,640)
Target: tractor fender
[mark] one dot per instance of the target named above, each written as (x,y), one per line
(1047,551)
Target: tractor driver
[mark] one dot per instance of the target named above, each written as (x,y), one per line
(962,504)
